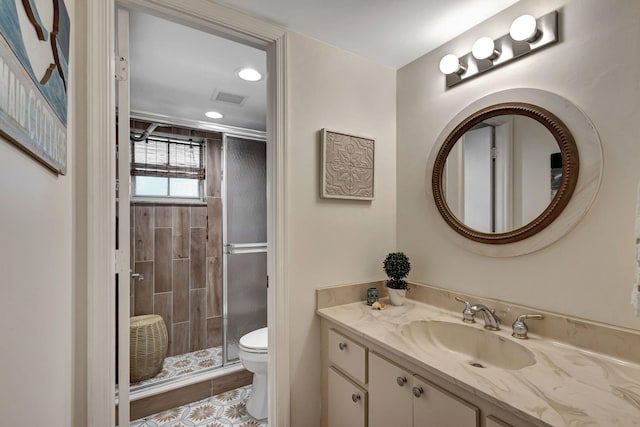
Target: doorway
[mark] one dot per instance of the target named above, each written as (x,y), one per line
(101,301)
(197,197)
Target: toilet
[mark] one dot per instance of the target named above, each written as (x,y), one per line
(254,357)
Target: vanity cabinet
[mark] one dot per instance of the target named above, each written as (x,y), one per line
(363,388)
(401,399)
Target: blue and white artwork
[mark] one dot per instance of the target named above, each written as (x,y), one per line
(34,77)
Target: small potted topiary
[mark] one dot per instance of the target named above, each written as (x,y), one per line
(397,267)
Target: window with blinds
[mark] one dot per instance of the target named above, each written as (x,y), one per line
(167,167)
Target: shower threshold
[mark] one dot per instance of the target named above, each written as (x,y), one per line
(183,370)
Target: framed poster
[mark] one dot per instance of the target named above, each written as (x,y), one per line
(347,166)
(34,71)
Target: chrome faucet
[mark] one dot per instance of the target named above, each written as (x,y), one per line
(491,321)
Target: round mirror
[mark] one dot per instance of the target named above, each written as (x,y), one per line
(505,172)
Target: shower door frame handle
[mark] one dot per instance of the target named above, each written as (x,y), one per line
(244,248)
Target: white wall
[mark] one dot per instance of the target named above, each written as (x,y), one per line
(36,306)
(332,241)
(42,308)
(477,179)
(589,272)
(532,148)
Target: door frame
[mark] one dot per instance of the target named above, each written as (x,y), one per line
(220,20)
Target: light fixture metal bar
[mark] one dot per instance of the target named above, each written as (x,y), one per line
(509,50)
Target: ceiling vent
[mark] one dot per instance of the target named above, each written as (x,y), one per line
(228,98)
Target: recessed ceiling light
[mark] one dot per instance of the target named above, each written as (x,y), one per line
(213,115)
(249,74)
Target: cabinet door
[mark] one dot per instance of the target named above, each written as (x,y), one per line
(390,401)
(346,402)
(493,421)
(433,406)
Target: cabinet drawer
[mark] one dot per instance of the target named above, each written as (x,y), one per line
(347,402)
(348,355)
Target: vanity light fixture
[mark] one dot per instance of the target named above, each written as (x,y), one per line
(249,74)
(525,29)
(450,64)
(527,34)
(485,48)
(214,115)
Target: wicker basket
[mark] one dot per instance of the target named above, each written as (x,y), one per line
(148,346)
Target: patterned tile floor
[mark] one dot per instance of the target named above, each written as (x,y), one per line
(223,410)
(184,364)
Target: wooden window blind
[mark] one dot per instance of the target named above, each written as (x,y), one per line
(168,157)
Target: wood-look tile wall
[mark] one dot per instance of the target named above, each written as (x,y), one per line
(178,249)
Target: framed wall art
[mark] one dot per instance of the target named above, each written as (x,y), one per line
(34,78)
(347,169)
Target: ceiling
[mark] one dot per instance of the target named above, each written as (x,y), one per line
(177,71)
(388,32)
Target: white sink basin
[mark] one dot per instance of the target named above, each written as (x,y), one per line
(475,346)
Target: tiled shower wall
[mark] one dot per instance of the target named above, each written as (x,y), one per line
(178,249)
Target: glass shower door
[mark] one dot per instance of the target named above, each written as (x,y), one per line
(245,240)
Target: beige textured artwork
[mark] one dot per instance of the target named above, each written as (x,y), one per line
(347,166)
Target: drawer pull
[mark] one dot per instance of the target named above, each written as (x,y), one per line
(355,397)
(401,381)
(342,345)
(417,391)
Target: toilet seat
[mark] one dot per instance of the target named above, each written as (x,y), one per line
(255,342)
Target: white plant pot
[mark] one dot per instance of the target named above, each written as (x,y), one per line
(396,296)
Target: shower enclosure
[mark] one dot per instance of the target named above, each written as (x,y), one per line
(199,263)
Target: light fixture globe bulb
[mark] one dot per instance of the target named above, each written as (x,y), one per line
(450,64)
(484,48)
(524,28)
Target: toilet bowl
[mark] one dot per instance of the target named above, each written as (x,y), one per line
(254,357)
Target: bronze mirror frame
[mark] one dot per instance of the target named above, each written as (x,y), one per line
(570,171)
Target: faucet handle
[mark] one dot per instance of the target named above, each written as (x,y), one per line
(520,329)
(468,315)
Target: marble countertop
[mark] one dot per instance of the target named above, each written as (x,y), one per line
(567,386)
